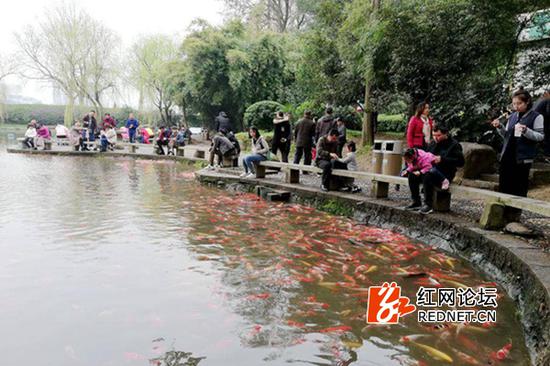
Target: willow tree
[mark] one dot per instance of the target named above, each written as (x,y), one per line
(72,51)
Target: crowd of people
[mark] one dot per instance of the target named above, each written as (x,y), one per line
(325,138)
(87,135)
(431,159)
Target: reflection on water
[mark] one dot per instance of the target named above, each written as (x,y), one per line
(124,262)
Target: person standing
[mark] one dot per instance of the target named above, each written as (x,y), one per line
(543,107)
(281,136)
(325,124)
(223,122)
(132,125)
(91,123)
(108,121)
(419,129)
(342,139)
(327,159)
(304,133)
(522,132)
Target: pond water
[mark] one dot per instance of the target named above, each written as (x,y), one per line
(126,262)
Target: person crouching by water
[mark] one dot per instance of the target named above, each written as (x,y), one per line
(42,135)
(351,164)
(327,158)
(522,132)
(221,147)
(260,150)
(446,157)
(30,134)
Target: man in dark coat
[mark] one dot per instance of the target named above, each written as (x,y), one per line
(281,136)
(91,123)
(223,122)
(327,159)
(325,124)
(304,133)
(448,158)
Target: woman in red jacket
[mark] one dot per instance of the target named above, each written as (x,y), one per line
(419,130)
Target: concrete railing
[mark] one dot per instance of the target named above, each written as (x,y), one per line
(496,206)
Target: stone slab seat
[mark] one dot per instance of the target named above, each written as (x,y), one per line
(133,148)
(231,161)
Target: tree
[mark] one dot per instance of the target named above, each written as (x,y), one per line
(277,15)
(150,71)
(72,51)
(228,69)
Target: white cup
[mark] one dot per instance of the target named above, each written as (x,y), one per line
(517,130)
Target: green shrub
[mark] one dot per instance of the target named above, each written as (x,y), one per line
(261,114)
(392,123)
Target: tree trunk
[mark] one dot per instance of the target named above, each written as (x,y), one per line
(69,111)
(367,133)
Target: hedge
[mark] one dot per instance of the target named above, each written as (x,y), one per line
(54,114)
(261,114)
(392,123)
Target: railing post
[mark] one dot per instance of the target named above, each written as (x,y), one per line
(380,189)
(493,216)
(292,176)
(260,170)
(441,200)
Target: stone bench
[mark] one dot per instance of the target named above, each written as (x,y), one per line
(132,148)
(496,205)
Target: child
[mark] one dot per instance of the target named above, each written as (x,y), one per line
(421,162)
(351,164)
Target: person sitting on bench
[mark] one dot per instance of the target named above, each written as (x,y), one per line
(163,139)
(30,134)
(448,157)
(327,158)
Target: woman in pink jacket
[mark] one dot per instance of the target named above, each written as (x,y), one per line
(419,163)
(419,129)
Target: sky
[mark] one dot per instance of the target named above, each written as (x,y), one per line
(129,19)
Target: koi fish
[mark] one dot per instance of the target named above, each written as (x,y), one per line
(413,337)
(341,328)
(503,353)
(434,353)
(258,296)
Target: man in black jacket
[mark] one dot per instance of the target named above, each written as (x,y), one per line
(281,136)
(223,122)
(448,158)
(325,124)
